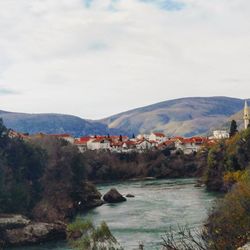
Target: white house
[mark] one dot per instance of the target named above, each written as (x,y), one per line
(158,137)
(82,147)
(98,144)
(140,137)
(189,145)
(220,134)
(143,145)
(81,143)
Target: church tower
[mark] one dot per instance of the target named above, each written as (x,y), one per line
(246,116)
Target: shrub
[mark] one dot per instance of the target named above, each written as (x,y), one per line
(82,235)
(230,178)
(228,226)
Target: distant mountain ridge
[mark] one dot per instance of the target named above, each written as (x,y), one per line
(185,116)
(53,124)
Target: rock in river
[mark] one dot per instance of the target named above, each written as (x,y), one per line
(113,196)
(130,196)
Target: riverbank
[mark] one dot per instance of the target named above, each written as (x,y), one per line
(18,230)
(157,205)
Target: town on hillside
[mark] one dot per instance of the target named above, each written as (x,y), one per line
(141,142)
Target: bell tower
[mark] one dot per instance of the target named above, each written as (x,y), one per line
(246,116)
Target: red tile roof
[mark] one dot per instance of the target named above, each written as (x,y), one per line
(101,140)
(85,139)
(159,134)
(77,142)
(176,138)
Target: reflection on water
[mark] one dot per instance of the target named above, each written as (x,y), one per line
(158,204)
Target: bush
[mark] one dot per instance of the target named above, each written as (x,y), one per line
(228,226)
(230,178)
(82,235)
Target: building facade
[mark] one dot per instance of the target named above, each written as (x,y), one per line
(246,116)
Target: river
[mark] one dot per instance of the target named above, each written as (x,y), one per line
(157,206)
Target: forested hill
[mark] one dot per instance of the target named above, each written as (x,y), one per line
(185,116)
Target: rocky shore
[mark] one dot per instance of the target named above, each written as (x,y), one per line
(49,221)
(17,230)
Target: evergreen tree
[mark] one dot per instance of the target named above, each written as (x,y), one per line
(3,134)
(233,128)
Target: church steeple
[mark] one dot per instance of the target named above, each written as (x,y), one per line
(246,116)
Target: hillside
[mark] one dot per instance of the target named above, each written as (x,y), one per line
(52,123)
(185,116)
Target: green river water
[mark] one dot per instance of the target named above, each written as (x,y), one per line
(158,204)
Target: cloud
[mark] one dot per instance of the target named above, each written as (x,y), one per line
(6,91)
(169,5)
(95,58)
(88,3)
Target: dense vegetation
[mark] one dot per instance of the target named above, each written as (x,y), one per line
(226,162)
(106,166)
(41,178)
(228,225)
(21,167)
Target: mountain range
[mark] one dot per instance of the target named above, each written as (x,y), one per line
(185,116)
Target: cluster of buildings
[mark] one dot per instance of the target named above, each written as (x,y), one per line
(124,144)
(142,142)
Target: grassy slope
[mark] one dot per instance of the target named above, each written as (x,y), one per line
(186,116)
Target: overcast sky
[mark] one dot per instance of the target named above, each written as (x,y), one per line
(94,58)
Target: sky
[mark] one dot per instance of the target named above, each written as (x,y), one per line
(95,58)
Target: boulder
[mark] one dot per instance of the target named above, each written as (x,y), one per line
(13,221)
(113,196)
(130,196)
(90,197)
(35,233)
(92,204)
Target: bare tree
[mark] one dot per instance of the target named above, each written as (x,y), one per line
(185,239)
